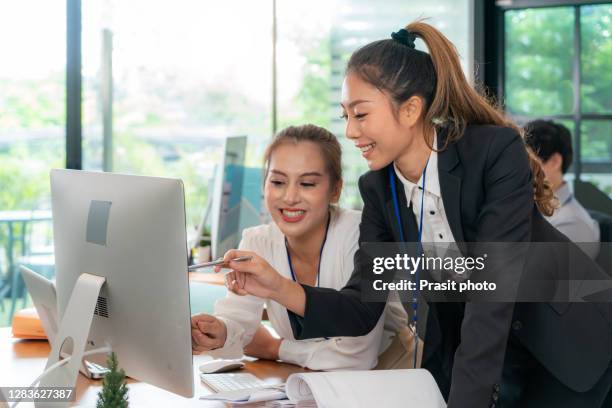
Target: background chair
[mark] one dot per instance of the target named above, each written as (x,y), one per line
(591,197)
(604,259)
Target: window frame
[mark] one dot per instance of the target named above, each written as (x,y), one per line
(495,74)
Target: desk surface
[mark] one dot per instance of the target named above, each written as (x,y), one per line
(209,277)
(23,360)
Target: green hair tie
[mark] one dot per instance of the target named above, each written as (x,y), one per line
(404,37)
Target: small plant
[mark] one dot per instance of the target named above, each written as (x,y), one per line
(204,241)
(114,392)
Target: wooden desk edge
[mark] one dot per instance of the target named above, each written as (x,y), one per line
(21,356)
(211,278)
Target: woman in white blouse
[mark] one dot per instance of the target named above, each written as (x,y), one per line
(310,241)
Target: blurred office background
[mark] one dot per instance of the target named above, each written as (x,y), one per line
(154,88)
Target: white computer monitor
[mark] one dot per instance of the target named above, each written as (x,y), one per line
(253,210)
(226,196)
(130,230)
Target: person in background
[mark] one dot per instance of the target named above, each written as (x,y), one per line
(552,143)
(310,241)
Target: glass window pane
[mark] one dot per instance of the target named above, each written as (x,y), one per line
(538,61)
(596,141)
(603,181)
(596,28)
(315,40)
(32,132)
(186,74)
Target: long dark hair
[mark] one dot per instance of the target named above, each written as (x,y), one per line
(437,77)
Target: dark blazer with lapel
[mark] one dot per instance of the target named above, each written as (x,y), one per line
(486,188)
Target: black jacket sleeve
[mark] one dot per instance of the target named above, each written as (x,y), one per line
(330,312)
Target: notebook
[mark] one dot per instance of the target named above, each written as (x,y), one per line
(364,389)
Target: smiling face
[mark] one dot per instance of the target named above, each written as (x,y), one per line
(381,132)
(298,189)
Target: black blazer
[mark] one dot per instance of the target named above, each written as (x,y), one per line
(486,188)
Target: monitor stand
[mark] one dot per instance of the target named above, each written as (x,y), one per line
(73,333)
(42,292)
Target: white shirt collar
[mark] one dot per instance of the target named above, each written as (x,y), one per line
(563,194)
(432,183)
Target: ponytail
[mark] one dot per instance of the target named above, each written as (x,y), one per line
(438,78)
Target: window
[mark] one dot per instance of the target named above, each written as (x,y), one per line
(558,65)
(185,76)
(32,141)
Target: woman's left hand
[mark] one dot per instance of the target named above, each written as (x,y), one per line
(263,345)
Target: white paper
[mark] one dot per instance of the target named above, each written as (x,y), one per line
(366,389)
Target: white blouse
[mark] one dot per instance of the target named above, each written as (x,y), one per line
(242,314)
(436,229)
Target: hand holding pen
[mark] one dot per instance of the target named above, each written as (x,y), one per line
(220,261)
(254,276)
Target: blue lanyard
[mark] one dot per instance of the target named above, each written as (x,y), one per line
(415,299)
(320,255)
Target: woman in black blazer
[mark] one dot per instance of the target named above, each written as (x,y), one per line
(399,102)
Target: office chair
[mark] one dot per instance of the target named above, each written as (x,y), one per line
(604,259)
(592,197)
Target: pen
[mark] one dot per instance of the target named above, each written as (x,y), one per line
(218,262)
